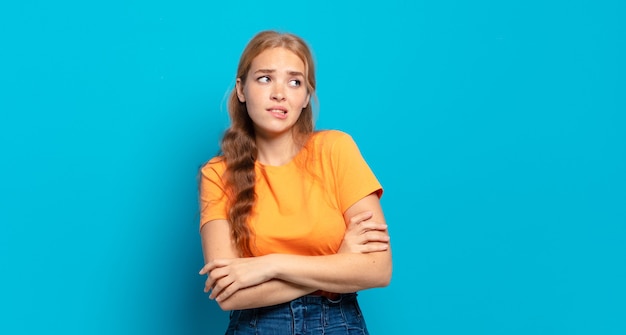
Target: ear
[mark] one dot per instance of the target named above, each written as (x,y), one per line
(306,102)
(239,88)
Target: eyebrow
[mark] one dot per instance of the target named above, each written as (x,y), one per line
(291,73)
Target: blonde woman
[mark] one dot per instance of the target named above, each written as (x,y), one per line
(291,222)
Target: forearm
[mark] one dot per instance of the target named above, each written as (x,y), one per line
(268,293)
(363,261)
(339,273)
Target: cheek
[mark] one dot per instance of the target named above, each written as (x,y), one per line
(252,98)
(302,100)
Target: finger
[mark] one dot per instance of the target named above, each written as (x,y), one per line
(374,236)
(227,292)
(214,264)
(367,226)
(210,281)
(361,217)
(374,247)
(219,286)
(213,277)
(368,238)
(208,284)
(208,267)
(205,269)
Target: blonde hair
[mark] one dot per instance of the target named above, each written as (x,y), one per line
(238,144)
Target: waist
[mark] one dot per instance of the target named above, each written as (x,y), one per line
(328,295)
(314,299)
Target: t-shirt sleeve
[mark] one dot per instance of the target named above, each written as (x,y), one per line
(354,178)
(213,199)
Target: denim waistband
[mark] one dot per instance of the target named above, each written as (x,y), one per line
(309,314)
(321,299)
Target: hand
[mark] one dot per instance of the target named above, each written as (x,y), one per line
(227,276)
(364,236)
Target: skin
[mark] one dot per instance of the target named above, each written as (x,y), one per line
(275,81)
(364,258)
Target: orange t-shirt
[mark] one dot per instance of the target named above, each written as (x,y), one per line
(300,205)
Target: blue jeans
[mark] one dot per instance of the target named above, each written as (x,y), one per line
(308,315)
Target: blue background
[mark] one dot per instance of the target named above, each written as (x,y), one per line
(497,128)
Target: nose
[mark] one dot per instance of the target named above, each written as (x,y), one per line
(277,93)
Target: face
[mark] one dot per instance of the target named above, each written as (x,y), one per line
(274,92)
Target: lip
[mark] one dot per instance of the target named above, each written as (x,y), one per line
(278,112)
(280,108)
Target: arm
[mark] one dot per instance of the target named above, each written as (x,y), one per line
(341,273)
(216,243)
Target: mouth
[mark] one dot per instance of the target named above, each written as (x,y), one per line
(278,111)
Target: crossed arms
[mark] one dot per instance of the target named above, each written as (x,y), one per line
(363,261)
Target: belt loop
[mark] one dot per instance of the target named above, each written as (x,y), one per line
(253,318)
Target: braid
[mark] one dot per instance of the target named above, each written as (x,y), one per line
(238,144)
(240,152)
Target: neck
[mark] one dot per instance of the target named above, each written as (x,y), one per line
(276,151)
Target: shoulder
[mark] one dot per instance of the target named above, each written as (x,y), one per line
(332,134)
(329,139)
(331,146)
(215,166)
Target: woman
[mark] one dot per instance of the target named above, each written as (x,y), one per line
(291,222)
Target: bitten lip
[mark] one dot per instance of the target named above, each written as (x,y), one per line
(277,108)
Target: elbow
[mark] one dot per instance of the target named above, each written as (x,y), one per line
(379,278)
(378,281)
(235,303)
(227,305)
(380,274)
(384,281)
(385,277)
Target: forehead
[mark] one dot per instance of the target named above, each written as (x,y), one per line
(279,59)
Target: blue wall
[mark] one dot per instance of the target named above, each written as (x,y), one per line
(498,130)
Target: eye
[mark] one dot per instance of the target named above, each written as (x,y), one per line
(263,79)
(295,83)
